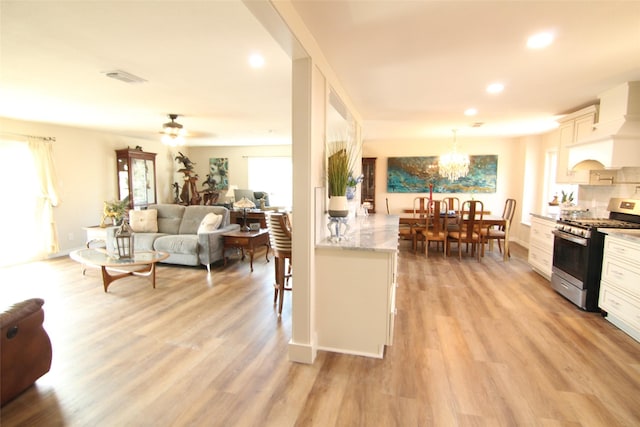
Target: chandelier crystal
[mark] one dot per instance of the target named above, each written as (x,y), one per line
(454,165)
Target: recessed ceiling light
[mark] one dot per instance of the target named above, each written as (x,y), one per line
(540,40)
(495,88)
(256,60)
(470,112)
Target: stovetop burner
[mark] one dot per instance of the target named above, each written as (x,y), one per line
(599,223)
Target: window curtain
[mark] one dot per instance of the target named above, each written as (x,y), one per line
(47,197)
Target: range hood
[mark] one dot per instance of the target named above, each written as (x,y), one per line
(615,141)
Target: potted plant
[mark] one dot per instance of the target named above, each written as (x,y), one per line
(116,210)
(342,157)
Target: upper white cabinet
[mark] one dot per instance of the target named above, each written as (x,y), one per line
(575,127)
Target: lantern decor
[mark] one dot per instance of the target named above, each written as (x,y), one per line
(124,240)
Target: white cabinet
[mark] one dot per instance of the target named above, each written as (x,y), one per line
(620,284)
(541,245)
(356,300)
(575,127)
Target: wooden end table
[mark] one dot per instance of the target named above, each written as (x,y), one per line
(247,240)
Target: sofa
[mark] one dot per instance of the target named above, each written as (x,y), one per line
(191,235)
(25,348)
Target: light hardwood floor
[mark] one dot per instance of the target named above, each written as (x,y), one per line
(476,344)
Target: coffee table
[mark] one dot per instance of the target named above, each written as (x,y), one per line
(142,264)
(247,240)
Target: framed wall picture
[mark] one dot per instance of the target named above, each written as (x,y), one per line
(219,171)
(414,174)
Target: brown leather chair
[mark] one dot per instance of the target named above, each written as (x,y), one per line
(25,348)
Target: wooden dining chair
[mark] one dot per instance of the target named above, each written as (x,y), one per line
(280,239)
(436,229)
(454,205)
(470,228)
(421,210)
(493,232)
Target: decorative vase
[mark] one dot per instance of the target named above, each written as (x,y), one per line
(351,193)
(338,206)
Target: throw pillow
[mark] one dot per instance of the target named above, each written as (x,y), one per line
(145,221)
(210,222)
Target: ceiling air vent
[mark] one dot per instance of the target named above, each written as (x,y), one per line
(124,76)
(477,124)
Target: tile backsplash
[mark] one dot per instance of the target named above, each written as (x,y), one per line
(596,197)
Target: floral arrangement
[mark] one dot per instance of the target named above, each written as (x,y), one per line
(116,210)
(352,182)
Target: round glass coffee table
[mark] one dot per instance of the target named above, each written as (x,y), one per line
(143,264)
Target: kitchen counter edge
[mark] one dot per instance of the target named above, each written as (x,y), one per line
(372,233)
(631,235)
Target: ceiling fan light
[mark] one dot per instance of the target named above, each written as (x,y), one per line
(172,140)
(173,132)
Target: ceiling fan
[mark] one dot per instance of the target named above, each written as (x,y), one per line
(174,133)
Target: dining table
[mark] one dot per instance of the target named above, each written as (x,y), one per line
(420,220)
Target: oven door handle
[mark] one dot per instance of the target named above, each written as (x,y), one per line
(571,237)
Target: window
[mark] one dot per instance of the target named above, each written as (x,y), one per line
(20,230)
(274,176)
(551,188)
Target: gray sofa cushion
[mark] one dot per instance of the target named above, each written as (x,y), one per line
(144,241)
(177,244)
(194,215)
(169,218)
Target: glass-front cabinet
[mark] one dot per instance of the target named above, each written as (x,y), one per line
(136,177)
(369,182)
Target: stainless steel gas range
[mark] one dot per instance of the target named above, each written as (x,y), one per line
(578,248)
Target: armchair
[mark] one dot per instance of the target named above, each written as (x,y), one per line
(25,348)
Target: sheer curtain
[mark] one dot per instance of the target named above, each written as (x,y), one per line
(28,174)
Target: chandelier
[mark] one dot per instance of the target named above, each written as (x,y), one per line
(172,132)
(454,165)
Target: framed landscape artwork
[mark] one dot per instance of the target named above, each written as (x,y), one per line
(414,174)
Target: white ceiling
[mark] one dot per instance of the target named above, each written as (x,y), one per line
(410,67)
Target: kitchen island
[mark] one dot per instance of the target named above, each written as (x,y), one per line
(356,287)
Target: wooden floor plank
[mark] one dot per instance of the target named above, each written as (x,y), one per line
(476,343)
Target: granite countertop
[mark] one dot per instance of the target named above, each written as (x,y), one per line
(376,232)
(631,235)
(547,216)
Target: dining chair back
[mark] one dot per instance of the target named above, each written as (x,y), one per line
(499,233)
(469,232)
(280,239)
(454,205)
(420,213)
(436,229)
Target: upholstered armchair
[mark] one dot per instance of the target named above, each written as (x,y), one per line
(25,348)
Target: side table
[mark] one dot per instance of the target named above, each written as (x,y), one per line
(96,236)
(247,240)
